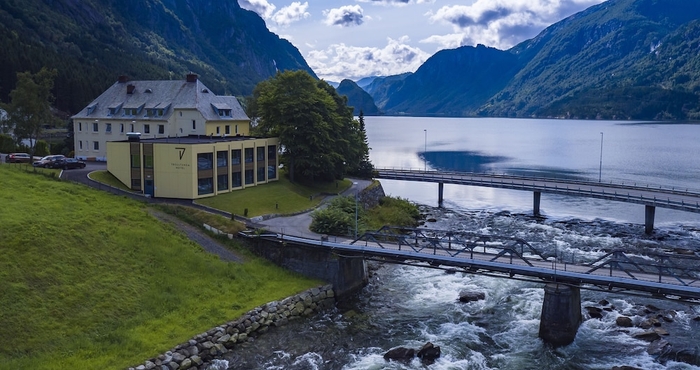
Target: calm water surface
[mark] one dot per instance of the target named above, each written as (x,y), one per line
(408,306)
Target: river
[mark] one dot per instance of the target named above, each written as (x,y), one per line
(409,306)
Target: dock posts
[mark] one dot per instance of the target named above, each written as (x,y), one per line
(536,203)
(649,212)
(441,190)
(561,314)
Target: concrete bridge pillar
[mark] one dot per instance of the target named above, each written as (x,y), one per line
(441,190)
(649,212)
(561,314)
(536,203)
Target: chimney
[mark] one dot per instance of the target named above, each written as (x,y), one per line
(191,77)
(122,79)
(130,88)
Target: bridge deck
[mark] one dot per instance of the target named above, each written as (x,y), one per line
(673,198)
(506,265)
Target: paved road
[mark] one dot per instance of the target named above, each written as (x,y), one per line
(298,225)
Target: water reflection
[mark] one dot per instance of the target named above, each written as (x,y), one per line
(463,161)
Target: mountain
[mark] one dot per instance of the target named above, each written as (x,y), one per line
(92,42)
(618,59)
(364,82)
(359,99)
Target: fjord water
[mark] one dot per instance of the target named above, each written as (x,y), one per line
(409,306)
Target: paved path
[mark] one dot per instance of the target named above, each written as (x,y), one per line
(298,225)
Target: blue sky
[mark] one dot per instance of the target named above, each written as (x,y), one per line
(359,38)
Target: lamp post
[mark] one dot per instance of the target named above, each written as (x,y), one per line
(425,151)
(355,184)
(600,168)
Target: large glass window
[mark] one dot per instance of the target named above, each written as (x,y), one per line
(205,186)
(148,161)
(271,172)
(261,153)
(236,156)
(248,155)
(249,177)
(204,161)
(261,174)
(222,182)
(135,162)
(271,152)
(221,159)
(236,180)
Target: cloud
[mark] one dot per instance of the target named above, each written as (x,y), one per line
(501,23)
(289,14)
(340,61)
(396,2)
(262,7)
(345,16)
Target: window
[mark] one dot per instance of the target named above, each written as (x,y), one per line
(236,181)
(221,159)
(261,173)
(146,129)
(80,126)
(248,155)
(95,127)
(205,186)
(132,128)
(80,144)
(148,161)
(222,182)
(161,129)
(131,111)
(218,130)
(249,177)
(227,130)
(108,128)
(121,128)
(271,172)
(261,154)
(136,184)
(135,163)
(236,128)
(96,145)
(194,124)
(271,152)
(224,113)
(236,156)
(204,161)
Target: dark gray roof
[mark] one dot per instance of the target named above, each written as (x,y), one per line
(168,94)
(194,139)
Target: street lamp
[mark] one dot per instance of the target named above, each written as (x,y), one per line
(600,169)
(425,151)
(354,184)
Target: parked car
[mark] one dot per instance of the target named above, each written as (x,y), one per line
(66,163)
(46,161)
(18,158)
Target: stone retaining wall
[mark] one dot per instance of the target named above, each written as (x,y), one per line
(196,353)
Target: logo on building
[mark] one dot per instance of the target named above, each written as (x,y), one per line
(181,152)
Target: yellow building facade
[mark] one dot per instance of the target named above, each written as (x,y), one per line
(193,167)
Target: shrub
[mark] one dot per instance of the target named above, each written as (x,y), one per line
(7,145)
(41,148)
(332,221)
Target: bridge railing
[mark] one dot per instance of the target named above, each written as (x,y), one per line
(618,184)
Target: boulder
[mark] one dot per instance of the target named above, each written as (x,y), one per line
(658,347)
(624,321)
(594,312)
(648,336)
(471,296)
(429,353)
(400,354)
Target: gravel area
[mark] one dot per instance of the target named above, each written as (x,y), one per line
(198,236)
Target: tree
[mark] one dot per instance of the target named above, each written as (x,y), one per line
(30,106)
(320,139)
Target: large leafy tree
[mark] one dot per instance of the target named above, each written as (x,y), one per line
(320,139)
(30,106)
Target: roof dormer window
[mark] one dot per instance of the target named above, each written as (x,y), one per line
(91,108)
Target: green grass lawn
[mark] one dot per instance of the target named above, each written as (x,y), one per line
(90,281)
(282,197)
(107,178)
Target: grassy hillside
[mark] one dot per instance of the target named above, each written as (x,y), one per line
(91,281)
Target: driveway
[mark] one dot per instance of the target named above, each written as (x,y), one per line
(298,225)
